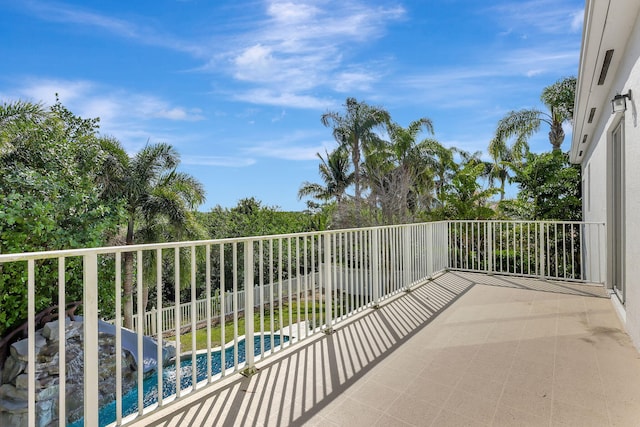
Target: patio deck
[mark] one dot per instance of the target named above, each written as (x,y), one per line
(463,349)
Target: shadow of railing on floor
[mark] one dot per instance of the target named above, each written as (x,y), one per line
(308,378)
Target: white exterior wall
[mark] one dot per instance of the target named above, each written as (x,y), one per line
(597,175)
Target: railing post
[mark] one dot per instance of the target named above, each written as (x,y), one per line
(328,292)
(248,310)
(31,343)
(489,238)
(430,249)
(375,267)
(406,258)
(542,253)
(90,328)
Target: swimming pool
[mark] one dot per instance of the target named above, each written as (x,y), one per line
(107,414)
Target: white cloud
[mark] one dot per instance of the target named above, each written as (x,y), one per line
(292,48)
(129,116)
(289,12)
(287,152)
(540,16)
(223,161)
(279,117)
(45,90)
(269,97)
(578,19)
(299,48)
(295,145)
(146,34)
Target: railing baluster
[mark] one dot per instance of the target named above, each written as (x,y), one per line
(178,319)
(261,286)
(305,249)
(207,279)
(62,352)
(327,283)
(234,250)
(298,283)
(31,344)
(158,320)
(194,319)
(140,331)
(223,310)
(581,243)
(313,283)
(271,296)
(90,325)
(375,268)
(280,297)
(248,308)
(289,290)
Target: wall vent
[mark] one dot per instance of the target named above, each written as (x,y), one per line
(605,66)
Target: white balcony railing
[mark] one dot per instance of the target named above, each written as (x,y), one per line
(302,284)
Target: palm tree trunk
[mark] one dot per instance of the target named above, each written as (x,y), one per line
(355,158)
(556,135)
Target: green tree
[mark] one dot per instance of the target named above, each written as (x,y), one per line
(355,130)
(443,167)
(336,175)
(399,172)
(549,189)
(158,200)
(50,161)
(522,124)
(463,197)
(504,160)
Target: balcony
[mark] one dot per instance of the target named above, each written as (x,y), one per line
(452,323)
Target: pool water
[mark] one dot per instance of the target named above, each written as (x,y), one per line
(107,414)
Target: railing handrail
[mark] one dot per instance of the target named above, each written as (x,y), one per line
(525,221)
(102,250)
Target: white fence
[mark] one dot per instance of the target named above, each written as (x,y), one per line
(331,275)
(200,307)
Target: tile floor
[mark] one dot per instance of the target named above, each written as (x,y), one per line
(463,350)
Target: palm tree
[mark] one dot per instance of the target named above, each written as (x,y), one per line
(399,170)
(334,171)
(443,166)
(16,120)
(504,159)
(558,98)
(154,194)
(355,131)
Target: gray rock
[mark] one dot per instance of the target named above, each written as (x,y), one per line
(12,368)
(13,406)
(14,389)
(14,420)
(20,349)
(51,330)
(11,392)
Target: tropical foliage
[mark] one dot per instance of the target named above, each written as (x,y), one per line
(50,198)
(63,185)
(522,124)
(158,201)
(550,189)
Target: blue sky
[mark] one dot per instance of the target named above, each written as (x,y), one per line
(238,87)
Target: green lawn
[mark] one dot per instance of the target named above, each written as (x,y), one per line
(201,334)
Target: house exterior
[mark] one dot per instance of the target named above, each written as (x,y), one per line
(606,143)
